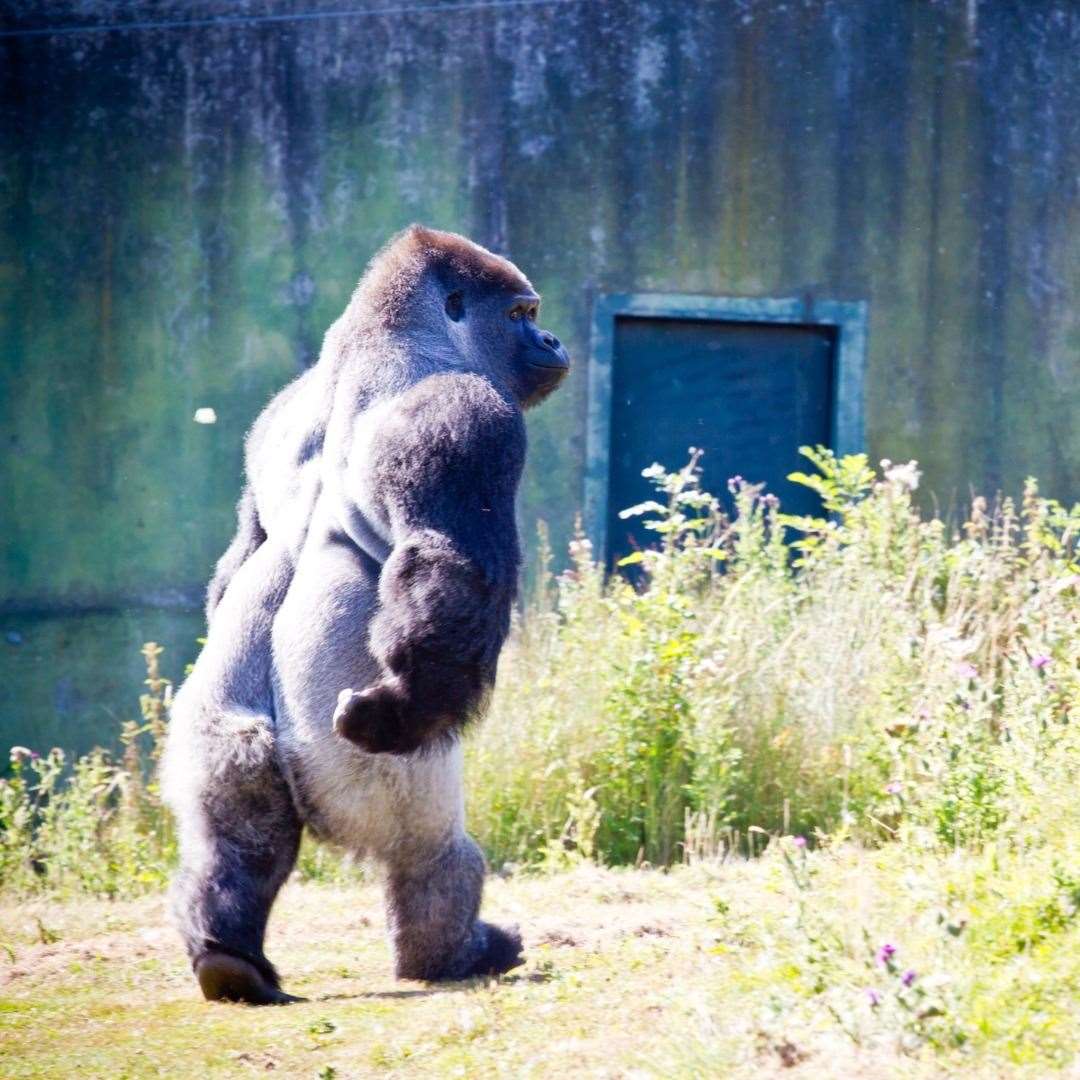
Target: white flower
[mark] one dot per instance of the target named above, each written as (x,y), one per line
(907,476)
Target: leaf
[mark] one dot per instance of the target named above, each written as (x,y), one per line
(803,523)
(632,560)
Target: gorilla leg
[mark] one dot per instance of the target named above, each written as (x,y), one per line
(237,848)
(433,899)
(239,829)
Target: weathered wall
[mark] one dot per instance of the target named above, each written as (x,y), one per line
(186,208)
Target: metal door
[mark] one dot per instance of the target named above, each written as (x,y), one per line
(748,394)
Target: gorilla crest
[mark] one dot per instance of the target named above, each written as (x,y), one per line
(356,619)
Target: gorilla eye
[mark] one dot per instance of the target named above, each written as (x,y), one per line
(455,306)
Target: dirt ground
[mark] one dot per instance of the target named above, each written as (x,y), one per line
(627,976)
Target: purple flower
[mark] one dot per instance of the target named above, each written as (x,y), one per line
(799,841)
(734,484)
(893,787)
(886,953)
(966,670)
(1040,661)
(873,997)
(908,977)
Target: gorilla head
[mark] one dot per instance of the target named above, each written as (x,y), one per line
(460,307)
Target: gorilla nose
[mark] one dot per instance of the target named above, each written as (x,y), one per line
(550,340)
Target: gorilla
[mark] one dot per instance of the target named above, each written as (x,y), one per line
(356,619)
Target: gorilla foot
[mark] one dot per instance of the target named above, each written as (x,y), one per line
(228,978)
(502,951)
(490,951)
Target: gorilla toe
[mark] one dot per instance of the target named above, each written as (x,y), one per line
(228,978)
(502,952)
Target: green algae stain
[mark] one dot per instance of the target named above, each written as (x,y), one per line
(185,214)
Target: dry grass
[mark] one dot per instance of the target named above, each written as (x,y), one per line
(702,971)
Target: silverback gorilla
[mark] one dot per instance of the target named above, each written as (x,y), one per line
(356,619)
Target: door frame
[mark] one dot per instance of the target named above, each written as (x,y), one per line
(847,317)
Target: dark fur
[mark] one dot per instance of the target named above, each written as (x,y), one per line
(374,567)
(445,467)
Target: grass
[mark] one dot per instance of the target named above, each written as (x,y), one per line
(743,968)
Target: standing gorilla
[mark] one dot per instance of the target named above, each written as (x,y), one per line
(356,619)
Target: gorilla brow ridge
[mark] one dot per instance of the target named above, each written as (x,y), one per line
(395,272)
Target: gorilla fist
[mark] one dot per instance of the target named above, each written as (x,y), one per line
(382,720)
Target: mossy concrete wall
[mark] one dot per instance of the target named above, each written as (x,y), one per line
(185,208)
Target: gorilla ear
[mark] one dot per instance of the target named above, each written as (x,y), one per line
(455,306)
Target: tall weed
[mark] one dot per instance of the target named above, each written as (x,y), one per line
(865,673)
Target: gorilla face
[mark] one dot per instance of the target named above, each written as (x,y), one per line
(498,327)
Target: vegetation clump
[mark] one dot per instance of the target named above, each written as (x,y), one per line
(882,711)
(866,674)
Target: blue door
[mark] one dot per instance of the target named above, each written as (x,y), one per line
(748,394)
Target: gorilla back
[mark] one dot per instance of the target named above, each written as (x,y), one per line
(356,619)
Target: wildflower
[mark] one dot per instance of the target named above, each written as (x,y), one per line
(580,549)
(873,997)
(19,754)
(1039,662)
(966,670)
(770,501)
(734,484)
(906,476)
(893,788)
(886,953)
(908,977)
(799,841)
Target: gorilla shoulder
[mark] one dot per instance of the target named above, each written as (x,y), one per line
(454,447)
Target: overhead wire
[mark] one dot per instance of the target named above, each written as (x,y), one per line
(291,17)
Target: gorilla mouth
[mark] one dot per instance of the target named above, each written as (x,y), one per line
(549,359)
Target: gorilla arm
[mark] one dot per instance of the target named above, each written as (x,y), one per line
(444,468)
(249,537)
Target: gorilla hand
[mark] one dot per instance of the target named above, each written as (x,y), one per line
(382,720)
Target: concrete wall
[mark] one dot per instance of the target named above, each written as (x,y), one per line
(186,208)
